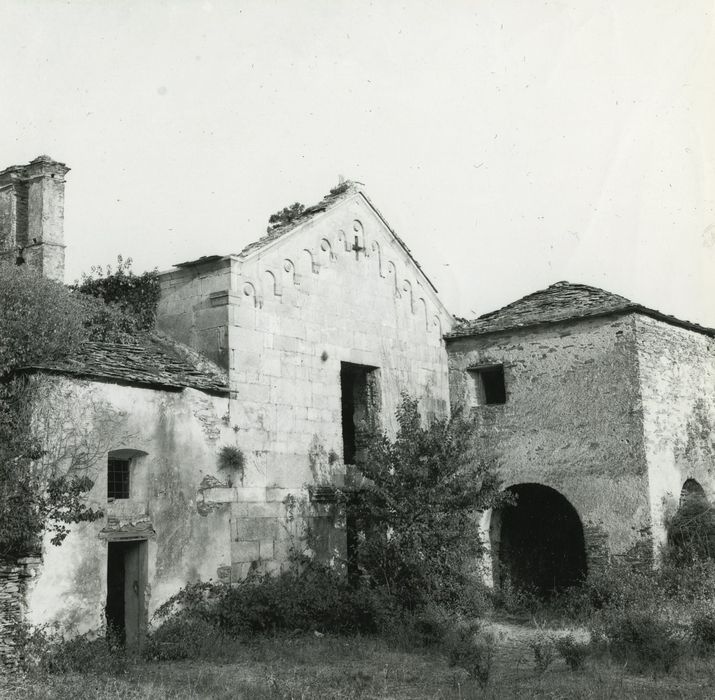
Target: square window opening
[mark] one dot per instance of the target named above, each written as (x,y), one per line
(489,385)
(118,478)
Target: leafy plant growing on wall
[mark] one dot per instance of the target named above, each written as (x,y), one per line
(42,322)
(287,215)
(231,459)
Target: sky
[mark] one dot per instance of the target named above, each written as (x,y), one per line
(511,144)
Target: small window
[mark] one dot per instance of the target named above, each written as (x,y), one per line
(118,478)
(489,387)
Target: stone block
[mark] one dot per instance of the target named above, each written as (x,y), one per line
(256,528)
(279,494)
(239,570)
(256,510)
(266,548)
(254,494)
(245,551)
(218,495)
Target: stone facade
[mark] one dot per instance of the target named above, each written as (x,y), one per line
(571,421)
(595,411)
(613,411)
(288,319)
(32,216)
(14,578)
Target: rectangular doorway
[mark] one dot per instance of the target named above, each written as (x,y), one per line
(126,583)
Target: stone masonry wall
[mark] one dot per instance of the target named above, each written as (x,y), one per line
(14,578)
(677,376)
(572,421)
(295,311)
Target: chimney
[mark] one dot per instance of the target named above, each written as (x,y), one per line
(32,199)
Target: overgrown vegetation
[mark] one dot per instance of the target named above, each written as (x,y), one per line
(232,460)
(417,520)
(135,296)
(42,322)
(287,215)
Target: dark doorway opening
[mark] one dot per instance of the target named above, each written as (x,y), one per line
(691,531)
(360,407)
(538,543)
(692,492)
(126,583)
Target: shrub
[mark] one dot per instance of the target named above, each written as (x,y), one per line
(427,627)
(307,597)
(703,629)
(640,635)
(471,648)
(416,519)
(572,651)
(544,652)
(184,638)
(46,651)
(514,600)
(136,296)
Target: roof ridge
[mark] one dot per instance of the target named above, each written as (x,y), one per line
(559,302)
(340,192)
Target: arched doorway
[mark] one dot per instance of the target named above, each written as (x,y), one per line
(537,542)
(692,492)
(691,531)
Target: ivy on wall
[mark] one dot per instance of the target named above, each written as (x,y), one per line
(42,321)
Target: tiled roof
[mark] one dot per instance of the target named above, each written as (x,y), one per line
(153,361)
(562,301)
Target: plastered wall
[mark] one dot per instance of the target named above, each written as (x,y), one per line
(677,378)
(179,434)
(572,421)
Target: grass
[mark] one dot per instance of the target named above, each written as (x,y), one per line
(293,667)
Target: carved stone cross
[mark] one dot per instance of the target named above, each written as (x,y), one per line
(357,248)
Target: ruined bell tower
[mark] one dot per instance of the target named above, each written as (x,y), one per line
(32,201)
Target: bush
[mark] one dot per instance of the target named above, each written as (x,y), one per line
(307,597)
(544,652)
(516,601)
(703,629)
(136,296)
(46,651)
(184,638)
(572,651)
(472,649)
(426,628)
(641,636)
(416,516)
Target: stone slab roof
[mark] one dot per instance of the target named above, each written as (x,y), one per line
(563,301)
(152,361)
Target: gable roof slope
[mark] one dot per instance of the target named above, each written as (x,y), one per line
(563,301)
(152,361)
(342,192)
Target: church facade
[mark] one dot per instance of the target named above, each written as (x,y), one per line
(595,410)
